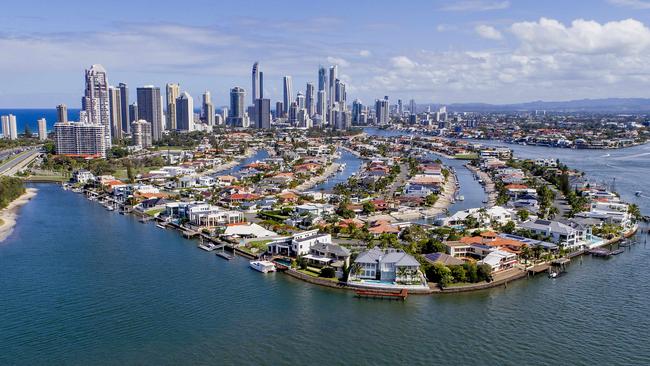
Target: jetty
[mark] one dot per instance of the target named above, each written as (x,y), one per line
(388,295)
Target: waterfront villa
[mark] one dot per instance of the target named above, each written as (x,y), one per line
(390,265)
(298,244)
(571,235)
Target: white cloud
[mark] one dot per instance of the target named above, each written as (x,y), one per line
(627,36)
(488,32)
(338,61)
(365,53)
(635,4)
(475,5)
(402,62)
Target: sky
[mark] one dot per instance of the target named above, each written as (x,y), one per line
(434,51)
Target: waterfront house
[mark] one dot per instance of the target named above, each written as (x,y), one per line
(570,234)
(299,243)
(328,254)
(390,265)
(499,260)
(247,230)
(82,176)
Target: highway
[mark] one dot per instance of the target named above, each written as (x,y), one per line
(13,166)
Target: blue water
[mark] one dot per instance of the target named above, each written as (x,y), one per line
(31,116)
(259,155)
(352,166)
(81,285)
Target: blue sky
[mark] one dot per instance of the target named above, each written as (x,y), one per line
(494,51)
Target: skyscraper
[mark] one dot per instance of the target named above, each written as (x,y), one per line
(263,113)
(185,112)
(141,133)
(300,99)
(96,99)
(237,116)
(115,108)
(172,93)
(150,109)
(413,108)
(339,92)
(309,100)
(80,139)
(279,110)
(207,109)
(42,129)
(288,93)
(321,96)
(400,108)
(321,108)
(357,108)
(332,85)
(9,128)
(293,114)
(62,113)
(381,111)
(133,112)
(257,83)
(124,106)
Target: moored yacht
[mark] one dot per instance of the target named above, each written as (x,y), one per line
(263,266)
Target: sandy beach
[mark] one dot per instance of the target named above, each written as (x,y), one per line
(445,198)
(9,214)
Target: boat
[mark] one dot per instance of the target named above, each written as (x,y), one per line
(208,247)
(638,193)
(161,226)
(110,208)
(263,266)
(461,198)
(552,275)
(617,251)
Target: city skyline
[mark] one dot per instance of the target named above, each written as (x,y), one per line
(434,52)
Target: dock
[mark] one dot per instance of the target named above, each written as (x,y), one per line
(375,294)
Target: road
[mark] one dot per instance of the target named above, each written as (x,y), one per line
(13,166)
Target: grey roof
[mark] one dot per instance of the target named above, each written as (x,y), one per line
(400,259)
(370,256)
(335,249)
(546,225)
(443,258)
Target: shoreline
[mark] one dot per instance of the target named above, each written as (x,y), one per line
(9,214)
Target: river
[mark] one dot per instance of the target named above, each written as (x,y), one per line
(81,285)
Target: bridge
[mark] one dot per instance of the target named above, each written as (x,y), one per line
(23,159)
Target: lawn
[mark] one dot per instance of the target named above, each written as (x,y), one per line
(121,173)
(466,156)
(315,272)
(154,212)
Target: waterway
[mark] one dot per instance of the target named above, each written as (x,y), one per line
(352,166)
(81,285)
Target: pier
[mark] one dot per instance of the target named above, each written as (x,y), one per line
(389,295)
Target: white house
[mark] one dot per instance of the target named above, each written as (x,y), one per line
(389,265)
(298,244)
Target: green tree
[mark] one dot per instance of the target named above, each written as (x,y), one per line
(523,214)
(509,227)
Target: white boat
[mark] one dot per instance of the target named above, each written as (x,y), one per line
(161,226)
(461,198)
(263,266)
(110,208)
(208,247)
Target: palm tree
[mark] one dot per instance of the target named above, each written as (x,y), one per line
(552,211)
(525,253)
